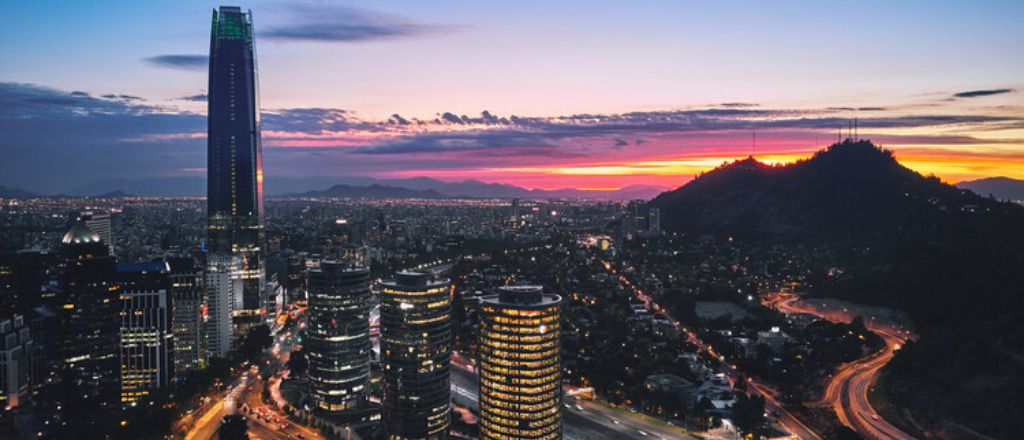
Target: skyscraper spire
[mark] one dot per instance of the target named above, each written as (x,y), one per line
(234,157)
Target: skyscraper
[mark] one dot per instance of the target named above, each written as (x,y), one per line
(187,315)
(339,335)
(234,157)
(15,361)
(520,364)
(222,286)
(146,338)
(87,337)
(415,330)
(100,223)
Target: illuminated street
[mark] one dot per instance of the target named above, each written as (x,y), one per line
(847,392)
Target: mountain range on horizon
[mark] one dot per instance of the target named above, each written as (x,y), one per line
(355,187)
(1001,188)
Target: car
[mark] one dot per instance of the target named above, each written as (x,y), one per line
(566,405)
(579,408)
(642,432)
(615,421)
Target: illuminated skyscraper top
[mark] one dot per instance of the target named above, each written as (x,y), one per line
(234,154)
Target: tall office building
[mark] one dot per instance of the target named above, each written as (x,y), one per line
(222,286)
(146,338)
(87,335)
(520,364)
(100,223)
(187,315)
(654,221)
(234,157)
(15,362)
(415,332)
(339,335)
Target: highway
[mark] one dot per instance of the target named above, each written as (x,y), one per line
(246,388)
(847,391)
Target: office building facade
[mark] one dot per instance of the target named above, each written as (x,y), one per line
(87,337)
(223,285)
(415,332)
(15,362)
(146,336)
(520,364)
(339,335)
(234,158)
(101,223)
(187,315)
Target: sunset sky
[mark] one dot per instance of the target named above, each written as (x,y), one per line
(584,94)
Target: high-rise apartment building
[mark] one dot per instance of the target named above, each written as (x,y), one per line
(222,286)
(339,335)
(146,338)
(415,335)
(187,315)
(520,364)
(234,158)
(15,362)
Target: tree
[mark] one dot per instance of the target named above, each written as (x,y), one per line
(233,427)
(298,364)
(256,340)
(748,415)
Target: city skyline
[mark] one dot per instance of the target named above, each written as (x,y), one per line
(523,95)
(579,221)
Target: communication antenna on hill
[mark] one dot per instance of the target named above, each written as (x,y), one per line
(753,145)
(855,137)
(849,130)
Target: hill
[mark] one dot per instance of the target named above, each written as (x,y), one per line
(1002,188)
(8,192)
(374,192)
(195,186)
(948,257)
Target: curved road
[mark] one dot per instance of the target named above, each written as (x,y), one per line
(847,392)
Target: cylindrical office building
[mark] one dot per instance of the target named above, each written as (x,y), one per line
(520,364)
(339,335)
(415,346)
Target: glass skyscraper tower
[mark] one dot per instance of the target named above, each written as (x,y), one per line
(416,348)
(234,157)
(520,364)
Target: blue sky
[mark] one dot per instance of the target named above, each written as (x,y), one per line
(538,59)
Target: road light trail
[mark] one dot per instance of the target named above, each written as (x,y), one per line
(847,392)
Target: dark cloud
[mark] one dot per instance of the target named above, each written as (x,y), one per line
(398,119)
(737,105)
(314,121)
(71,137)
(339,24)
(983,92)
(125,98)
(451,118)
(559,135)
(197,98)
(183,62)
